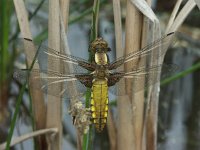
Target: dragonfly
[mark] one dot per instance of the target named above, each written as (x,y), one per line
(100,75)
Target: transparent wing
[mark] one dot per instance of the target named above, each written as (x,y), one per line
(159,46)
(58,83)
(50,81)
(54,83)
(142,78)
(55,56)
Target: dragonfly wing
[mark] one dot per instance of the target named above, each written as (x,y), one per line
(160,46)
(54,83)
(114,78)
(142,78)
(56,57)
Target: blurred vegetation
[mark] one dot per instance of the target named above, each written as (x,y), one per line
(6,63)
(79,11)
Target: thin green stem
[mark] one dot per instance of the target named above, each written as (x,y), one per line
(87,140)
(78,18)
(95,15)
(36,10)
(13,122)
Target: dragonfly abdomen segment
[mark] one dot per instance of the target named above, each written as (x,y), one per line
(99,103)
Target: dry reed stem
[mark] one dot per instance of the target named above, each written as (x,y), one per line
(25,137)
(143,7)
(64,7)
(23,20)
(118,27)
(38,103)
(119,52)
(151,28)
(137,98)
(112,131)
(124,124)
(65,49)
(173,15)
(151,110)
(154,96)
(145,33)
(132,43)
(69,68)
(125,133)
(54,104)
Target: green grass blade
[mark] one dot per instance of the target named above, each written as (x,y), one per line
(4,29)
(13,122)
(181,74)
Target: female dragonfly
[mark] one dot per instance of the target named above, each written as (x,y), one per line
(103,74)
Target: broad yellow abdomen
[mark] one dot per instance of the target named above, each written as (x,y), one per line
(99,103)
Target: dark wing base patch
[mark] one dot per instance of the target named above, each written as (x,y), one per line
(85,79)
(114,78)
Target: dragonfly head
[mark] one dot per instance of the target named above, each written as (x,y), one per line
(99,45)
(100,48)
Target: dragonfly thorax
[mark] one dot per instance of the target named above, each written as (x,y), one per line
(101,72)
(101,58)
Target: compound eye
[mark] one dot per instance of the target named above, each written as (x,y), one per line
(109,49)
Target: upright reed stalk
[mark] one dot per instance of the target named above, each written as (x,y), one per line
(54,104)
(39,109)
